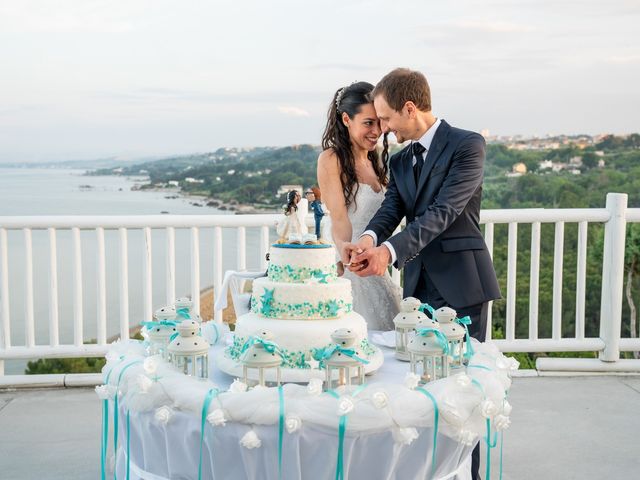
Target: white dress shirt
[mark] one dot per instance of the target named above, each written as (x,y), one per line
(425,140)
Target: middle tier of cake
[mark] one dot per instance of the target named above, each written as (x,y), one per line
(301,301)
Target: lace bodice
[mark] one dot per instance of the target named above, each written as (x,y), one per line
(361,211)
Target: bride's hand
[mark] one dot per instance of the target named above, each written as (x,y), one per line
(373,261)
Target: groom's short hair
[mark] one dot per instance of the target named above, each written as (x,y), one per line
(403,85)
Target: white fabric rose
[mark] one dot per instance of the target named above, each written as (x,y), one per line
(112,356)
(501,422)
(163,415)
(506,408)
(488,409)
(150,365)
(345,405)
(404,436)
(462,379)
(250,440)
(237,386)
(144,383)
(466,437)
(411,380)
(315,386)
(380,399)
(513,364)
(105,392)
(216,418)
(293,423)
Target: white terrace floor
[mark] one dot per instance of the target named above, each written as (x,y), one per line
(565,428)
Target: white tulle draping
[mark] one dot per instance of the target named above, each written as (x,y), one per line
(389,430)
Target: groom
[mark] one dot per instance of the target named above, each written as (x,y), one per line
(436,183)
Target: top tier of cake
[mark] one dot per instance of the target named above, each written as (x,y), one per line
(302,263)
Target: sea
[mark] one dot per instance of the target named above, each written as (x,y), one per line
(56,191)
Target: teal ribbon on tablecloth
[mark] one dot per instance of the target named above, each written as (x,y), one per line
(115,412)
(323,354)
(342,428)
(280,429)
(441,337)
(211,394)
(436,419)
(104,441)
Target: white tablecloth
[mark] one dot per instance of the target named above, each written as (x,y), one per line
(170,451)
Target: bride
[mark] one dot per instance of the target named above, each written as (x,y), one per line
(352,178)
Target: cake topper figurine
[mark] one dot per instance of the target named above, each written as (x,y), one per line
(289,228)
(315,203)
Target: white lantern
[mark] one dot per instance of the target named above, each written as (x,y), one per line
(405,323)
(454,332)
(189,352)
(159,332)
(262,354)
(428,355)
(344,359)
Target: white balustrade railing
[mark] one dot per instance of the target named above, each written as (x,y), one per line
(615,217)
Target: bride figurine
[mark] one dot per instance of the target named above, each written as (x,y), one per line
(289,228)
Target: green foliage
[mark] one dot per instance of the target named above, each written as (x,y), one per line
(65,365)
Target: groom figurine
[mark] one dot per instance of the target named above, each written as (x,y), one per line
(436,183)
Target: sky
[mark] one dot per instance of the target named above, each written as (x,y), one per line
(84,79)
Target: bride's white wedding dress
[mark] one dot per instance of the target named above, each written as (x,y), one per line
(377,299)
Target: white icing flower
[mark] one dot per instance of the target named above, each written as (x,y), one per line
(466,437)
(404,436)
(450,413)
(250,440)
(345,405)
(104,392)
(411,380)
(506,408)
(216,418)
(501,422)
(315,386)
(237,386)
(163,415)
(144,383)
(488,409)
(293,423)
(150,365)
(380,399)
(463,379)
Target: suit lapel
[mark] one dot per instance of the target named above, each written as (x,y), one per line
(437,146)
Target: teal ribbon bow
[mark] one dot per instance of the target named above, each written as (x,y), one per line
(268,345)
(442,339)
(323,354)
(159,323)
(184,313)
(427,307)
(465,322)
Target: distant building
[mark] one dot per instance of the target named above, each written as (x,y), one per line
(193,180)
(173,183)
(575,161)
(520,168)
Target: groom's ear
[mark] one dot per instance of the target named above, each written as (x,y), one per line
(411,109)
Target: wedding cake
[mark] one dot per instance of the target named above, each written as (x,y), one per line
(301,302)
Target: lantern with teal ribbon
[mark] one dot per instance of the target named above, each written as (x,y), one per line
(429,354)
(259,353)
(341,360)
(160,331)
(454,329)
(189,352)
(405,324)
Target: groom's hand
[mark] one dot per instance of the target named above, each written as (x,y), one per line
(374,261)
(352,250)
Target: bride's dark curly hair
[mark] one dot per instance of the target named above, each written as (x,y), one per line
(336,136)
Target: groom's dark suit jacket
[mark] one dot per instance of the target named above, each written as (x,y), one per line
(442,238)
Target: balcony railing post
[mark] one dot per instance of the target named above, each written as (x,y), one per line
(613,276)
